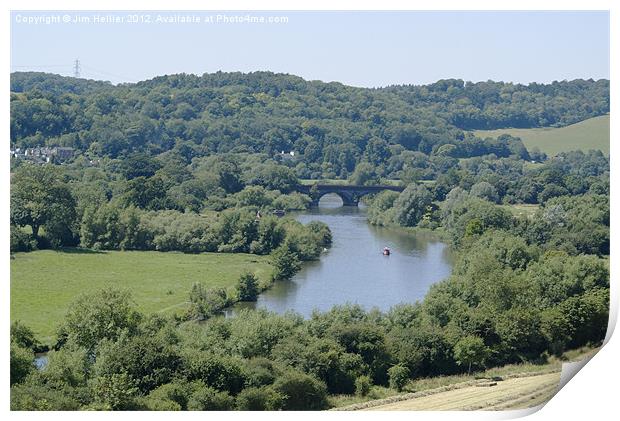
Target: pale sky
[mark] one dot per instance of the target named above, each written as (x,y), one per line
(356,48)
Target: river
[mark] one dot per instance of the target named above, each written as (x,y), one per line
(354,269)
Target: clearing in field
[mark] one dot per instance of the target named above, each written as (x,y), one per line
(44,283)
(521,209)
(592,133)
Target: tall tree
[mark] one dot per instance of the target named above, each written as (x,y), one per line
(40,197)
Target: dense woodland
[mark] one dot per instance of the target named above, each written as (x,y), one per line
(331,127)
(192,164)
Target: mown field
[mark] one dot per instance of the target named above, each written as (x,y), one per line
(592,133)
(514,393)
(44,283)
(524,385)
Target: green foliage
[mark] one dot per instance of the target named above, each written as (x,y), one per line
(207,302)
(22,362)
(301,392)
(411,205)
(471,351)
(399,376)
(380,210)
(364,174)
(39,198)
(21,240)
(184,163)
(259,399)
(40,397)
(114,392)
(248,287)
(68,366)
(218,372)
(104,314)
(150,360)
(23,336)
(285,263)
(209,399)
(363,385)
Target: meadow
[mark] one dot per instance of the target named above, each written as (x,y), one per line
(44,283)
(592,133)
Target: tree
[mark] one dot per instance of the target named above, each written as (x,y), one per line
(22,363)
(485,191)
(114,392)
(286,263)
(301,392)
(470,351)
(363,385)
(207,302)
(259,399)
(364,174)
(399,376)
(40,198)
(248,287)
(23,336)
(103,314)
(209,399)
(377,151)
(411,205)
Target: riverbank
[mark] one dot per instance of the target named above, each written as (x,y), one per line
(354,269)
(45,282)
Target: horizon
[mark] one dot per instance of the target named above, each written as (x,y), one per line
(309,80)
(359,49)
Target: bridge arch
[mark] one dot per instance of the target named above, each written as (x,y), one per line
(348,199)
(350,194)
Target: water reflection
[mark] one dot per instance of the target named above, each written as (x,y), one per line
(354,269)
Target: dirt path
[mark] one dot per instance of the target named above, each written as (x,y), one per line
(514,393)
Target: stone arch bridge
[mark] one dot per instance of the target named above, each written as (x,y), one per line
(350,194)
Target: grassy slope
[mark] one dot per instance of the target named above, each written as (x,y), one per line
(592,133)
(44,283)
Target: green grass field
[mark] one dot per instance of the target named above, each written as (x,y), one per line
(522,209)
(592,133)
(44,283)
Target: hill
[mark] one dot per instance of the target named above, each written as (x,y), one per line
(331,127)
(592,133)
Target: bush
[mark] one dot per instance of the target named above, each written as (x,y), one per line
(115,392)
(248,287)
(363,385)
(39,397)
(399,376)
(209,399)
(207,302)
(22,363)
(286,264)
(260,399)
(21,241)
(302,392)
(24,337)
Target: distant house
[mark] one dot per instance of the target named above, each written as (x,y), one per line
(44,154)
(286,156)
